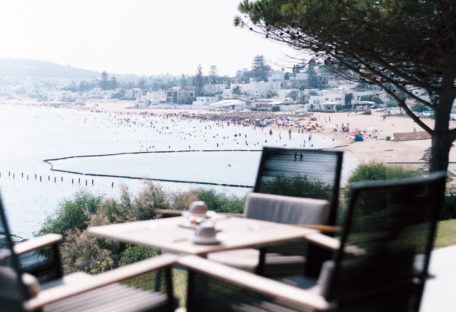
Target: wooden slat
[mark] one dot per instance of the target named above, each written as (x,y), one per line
(58,293)
(169,212)
(306,299)
(323,241)
(37,243)
(321,227)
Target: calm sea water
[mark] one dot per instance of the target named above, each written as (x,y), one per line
(28,135)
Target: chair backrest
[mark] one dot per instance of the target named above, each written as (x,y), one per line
(286,209)
(13,289)
(310,173)
(386,244)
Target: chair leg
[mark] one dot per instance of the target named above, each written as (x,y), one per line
(158,278)
(261,262)
(191,306)
(314,260)
(59,267)
(169,288)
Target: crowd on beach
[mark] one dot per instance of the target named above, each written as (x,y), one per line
(289,123)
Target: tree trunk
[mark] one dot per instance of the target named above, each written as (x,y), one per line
(441,137)
(441,145)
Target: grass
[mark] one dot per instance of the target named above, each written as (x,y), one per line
(446,234)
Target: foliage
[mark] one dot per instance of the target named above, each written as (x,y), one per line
(72,214)
(81,252)
(220,202)
(449,207)
(399,46)
(374,171)
(181,201)
(136,253)
(312,80)
(198,81)
(237,90)
(270,94)
(379,171)
(294,95)
(260,70)
(299,186)
(419,108)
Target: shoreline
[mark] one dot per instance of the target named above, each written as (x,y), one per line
(371,149)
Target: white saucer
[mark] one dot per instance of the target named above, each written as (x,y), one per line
(187,225)
(206,240)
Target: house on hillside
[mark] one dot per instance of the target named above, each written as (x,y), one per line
(327,100)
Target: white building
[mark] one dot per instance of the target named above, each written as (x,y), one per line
(155,97)
(204,100)
(257,89)
(327,100)
(358,96)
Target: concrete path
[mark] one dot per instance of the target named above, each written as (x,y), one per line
(440,292)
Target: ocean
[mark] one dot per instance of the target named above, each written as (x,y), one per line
(154,147)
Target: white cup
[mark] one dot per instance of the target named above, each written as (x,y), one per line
(198,208)
(206,230)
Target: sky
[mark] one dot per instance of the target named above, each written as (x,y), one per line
(144,37)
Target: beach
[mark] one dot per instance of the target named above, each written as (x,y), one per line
(372,149)
(382,148)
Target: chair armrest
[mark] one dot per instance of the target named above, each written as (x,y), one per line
(308,300)
(37,243)
(321,227)
(324,241)
(59,293)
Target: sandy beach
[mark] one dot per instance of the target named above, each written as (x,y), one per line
(371,149)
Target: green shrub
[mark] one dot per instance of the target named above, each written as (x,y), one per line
(369,172)
(220,202)
(82,252)
(150,199)
(299,186)
(379,171)
(181,201)
(72,214)
(134,253)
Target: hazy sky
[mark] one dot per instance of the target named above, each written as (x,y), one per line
(134,36)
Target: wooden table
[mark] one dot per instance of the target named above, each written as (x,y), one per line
(167,235)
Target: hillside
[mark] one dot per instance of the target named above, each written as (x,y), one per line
(20,68)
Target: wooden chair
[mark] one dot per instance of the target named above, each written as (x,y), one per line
(307,173)
(380,262)
(293,186)
(21,291)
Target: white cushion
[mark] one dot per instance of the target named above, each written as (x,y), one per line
(286,209)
